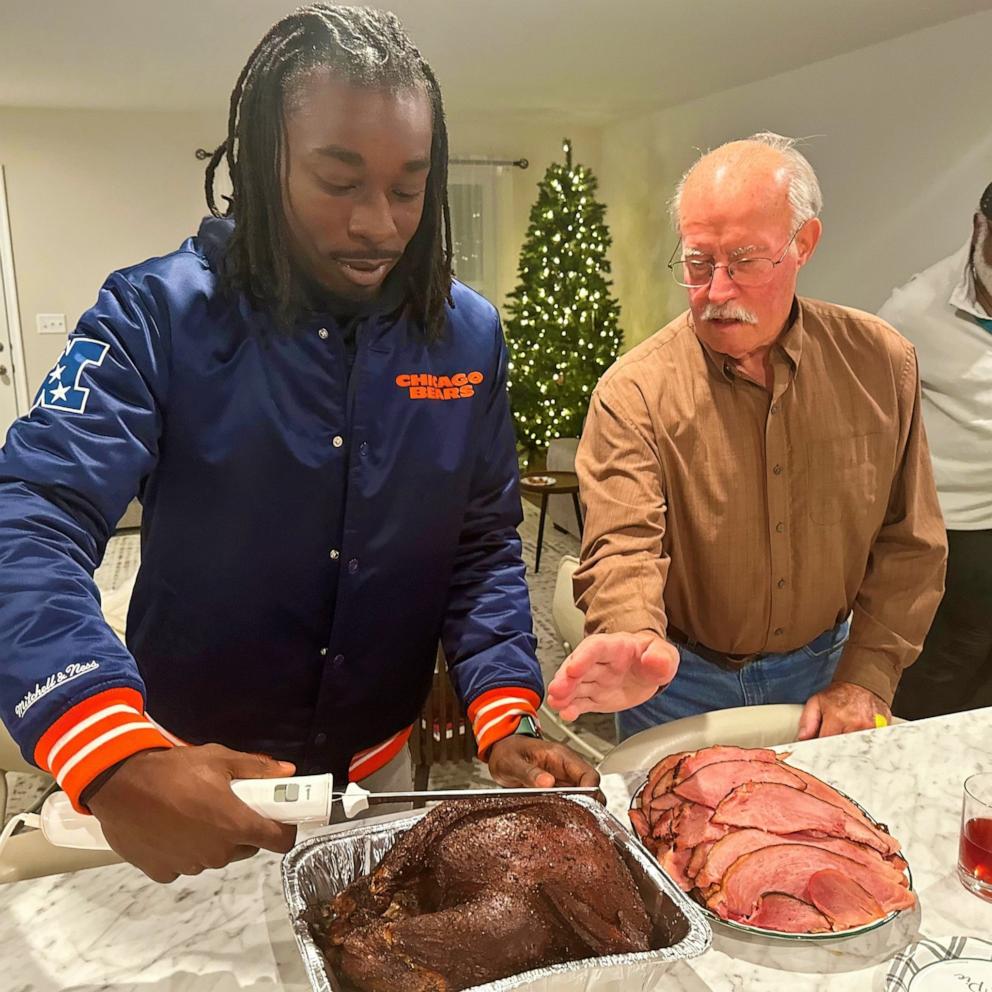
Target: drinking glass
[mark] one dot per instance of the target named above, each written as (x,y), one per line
(975,855)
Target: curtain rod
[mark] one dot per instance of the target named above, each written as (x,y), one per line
(520,163)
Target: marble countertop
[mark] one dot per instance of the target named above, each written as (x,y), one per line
(228,931)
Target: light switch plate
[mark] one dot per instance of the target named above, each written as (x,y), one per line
(51,323)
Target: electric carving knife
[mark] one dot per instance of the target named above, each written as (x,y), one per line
(300,799)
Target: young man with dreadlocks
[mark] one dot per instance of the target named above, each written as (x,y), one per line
(314,414)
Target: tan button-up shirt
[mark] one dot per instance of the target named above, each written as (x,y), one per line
(755,520)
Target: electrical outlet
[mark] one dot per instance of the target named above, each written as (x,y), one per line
(51,323)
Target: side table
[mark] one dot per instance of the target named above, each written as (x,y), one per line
(551,484)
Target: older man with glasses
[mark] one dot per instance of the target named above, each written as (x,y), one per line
(761,521)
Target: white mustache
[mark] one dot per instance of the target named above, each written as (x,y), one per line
(726,311)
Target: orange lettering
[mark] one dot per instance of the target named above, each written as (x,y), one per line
(424,386)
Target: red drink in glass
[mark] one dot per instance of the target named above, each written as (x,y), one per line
(976,847)
(975,854)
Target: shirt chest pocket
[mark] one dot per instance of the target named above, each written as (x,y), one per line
(848,477)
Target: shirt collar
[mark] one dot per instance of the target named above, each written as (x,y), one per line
(789,343)
(963,296)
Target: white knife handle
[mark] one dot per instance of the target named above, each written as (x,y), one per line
(305,799)
(64,827)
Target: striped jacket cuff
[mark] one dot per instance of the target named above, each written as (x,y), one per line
(372,759)
(496,714)
(93,736)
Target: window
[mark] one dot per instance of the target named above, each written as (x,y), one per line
(475,227)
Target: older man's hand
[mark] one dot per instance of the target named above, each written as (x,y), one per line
(610,672)
(840,709)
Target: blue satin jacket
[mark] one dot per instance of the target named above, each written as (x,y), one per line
(307,538)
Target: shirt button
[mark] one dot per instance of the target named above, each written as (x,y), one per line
(335,554)
(322,334)
(320,739)
(777,469)
(364,448)
(339,659)
(337,440)
(779,631)
(323,652)
(781,583)
(774,408)
(353,566)
(780,527)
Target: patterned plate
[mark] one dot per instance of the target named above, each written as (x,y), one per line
(779,934)
(946,963)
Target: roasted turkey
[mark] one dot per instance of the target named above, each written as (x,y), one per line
(481,889)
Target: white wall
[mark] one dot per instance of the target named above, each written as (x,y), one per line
(91,191)
(902,146)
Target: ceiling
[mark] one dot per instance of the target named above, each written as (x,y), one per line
(586,61)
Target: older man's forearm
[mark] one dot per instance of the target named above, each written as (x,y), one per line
(618,593)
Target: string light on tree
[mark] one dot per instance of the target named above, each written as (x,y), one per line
(562,321)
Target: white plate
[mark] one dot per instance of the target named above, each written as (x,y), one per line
(540,480)
(947,964)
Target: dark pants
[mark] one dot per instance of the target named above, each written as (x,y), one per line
(954,672)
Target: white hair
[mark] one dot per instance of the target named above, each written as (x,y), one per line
(805,197)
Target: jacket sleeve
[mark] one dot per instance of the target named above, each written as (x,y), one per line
(70,693)
(904,581)
(620,582)
(487,635)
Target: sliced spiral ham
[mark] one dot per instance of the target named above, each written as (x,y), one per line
(781,809)
(714,782)
(787,914)
(788,868)
(764,843)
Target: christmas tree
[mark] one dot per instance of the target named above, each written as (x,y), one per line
(561,324)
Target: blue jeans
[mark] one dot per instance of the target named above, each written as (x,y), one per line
(700,686)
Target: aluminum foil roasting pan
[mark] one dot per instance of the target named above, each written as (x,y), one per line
(316,870)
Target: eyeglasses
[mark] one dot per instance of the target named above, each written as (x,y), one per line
(694,273)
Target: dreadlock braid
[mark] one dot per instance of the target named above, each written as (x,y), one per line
(365,47)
